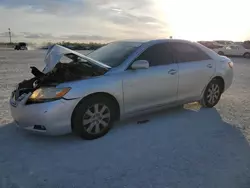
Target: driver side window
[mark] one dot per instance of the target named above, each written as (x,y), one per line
(157,55)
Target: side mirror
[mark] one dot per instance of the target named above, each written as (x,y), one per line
(140,64)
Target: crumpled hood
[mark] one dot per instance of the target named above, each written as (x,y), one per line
(56,52)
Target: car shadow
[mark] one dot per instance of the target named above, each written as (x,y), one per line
(171,148)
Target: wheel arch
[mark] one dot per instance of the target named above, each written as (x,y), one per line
(203,101)
(99,94)
(246,54)
(213,78)
(221,81)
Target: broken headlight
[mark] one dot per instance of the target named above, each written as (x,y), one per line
(48,94)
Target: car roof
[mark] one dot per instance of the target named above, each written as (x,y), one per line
(234,45)
(223,41)
(154,40)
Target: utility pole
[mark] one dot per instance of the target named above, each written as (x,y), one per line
(10,35)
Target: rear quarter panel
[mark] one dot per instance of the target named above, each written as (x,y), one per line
(221,67)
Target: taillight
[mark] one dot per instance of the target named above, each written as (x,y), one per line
(230,64)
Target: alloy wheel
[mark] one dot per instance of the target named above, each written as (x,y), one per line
(213,94)
(96,118)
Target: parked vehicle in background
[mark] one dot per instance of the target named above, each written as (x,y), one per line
(233,50)
(223,42)
(238,43)
(86,94)
(246,44)
(210,44)
(21,46)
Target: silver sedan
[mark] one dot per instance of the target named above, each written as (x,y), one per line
(87,94)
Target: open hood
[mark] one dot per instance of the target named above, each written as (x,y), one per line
(57,52)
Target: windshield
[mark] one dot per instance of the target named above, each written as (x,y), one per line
(115,53)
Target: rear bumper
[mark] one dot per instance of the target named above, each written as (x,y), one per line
(54,117)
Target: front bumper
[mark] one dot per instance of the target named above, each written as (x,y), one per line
(54,117)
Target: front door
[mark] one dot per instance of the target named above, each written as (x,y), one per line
(155,86)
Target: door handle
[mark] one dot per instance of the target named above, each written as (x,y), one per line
(172,72)
(209,66)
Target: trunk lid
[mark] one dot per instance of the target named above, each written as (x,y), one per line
(56,52)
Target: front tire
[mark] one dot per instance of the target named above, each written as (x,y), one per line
(246,55)
(212,94)
(93,117)
(221,53)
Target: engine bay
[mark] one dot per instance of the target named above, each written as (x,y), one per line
(76,69)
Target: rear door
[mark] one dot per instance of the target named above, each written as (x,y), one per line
(235,50)
(157,85)
(240,50)
(195,69)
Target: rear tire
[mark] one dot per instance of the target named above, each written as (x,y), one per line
(212,94)
(93,117)
(246,55)
(221,53)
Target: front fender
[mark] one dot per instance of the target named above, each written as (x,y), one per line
(106,84)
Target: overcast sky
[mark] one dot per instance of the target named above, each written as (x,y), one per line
(107,20)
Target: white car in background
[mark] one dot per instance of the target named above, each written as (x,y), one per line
(223,42)
(233,50)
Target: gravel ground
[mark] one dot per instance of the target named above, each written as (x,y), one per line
(176,148)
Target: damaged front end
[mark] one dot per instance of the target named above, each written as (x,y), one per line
(62,65)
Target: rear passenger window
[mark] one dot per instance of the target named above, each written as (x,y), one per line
(184,52)
(156,55)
